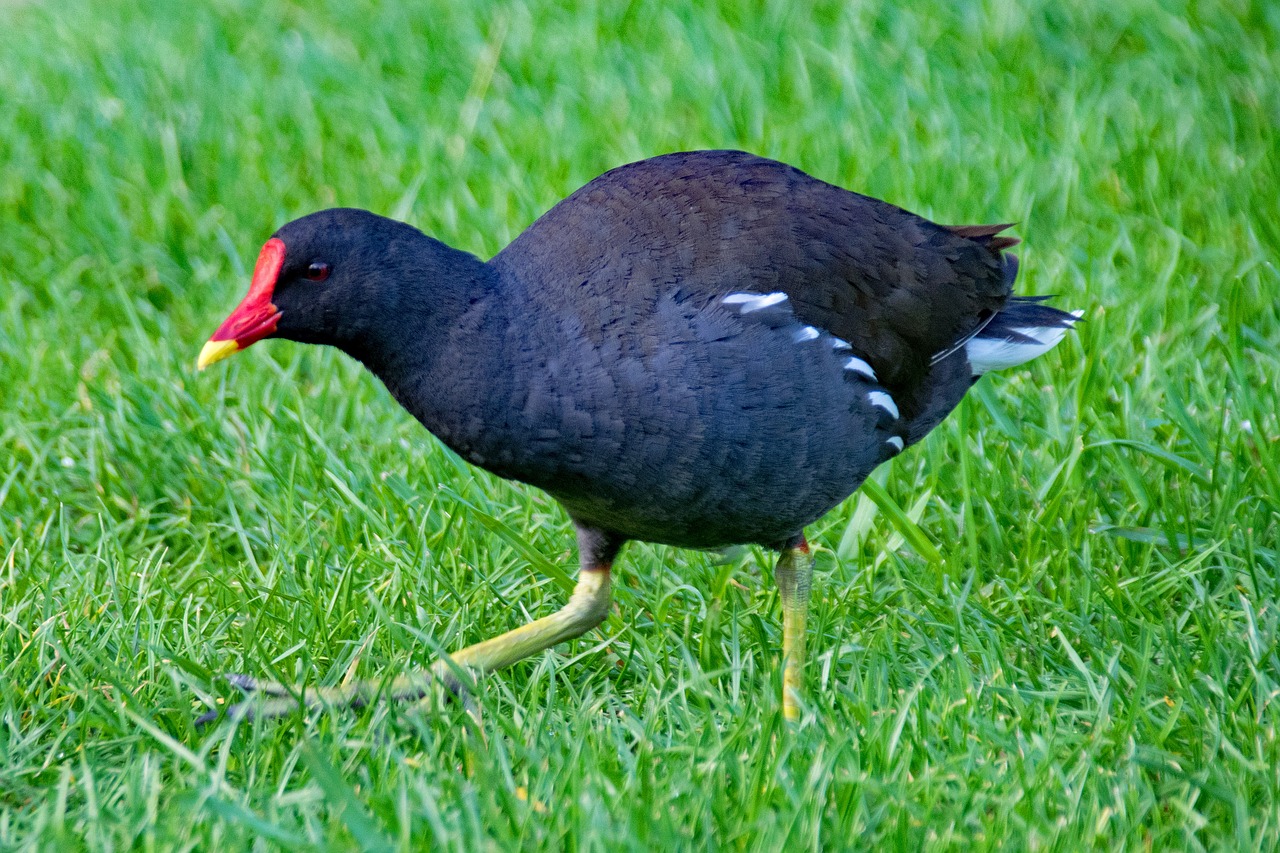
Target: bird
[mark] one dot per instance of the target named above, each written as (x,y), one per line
(702,349)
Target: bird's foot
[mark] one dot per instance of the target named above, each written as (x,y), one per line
(271,699)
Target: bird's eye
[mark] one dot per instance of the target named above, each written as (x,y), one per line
(318,271)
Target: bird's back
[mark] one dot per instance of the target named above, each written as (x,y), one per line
(899,288)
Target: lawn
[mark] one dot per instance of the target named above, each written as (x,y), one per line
(1054,627)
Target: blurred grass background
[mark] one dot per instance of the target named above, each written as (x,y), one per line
(1080,649)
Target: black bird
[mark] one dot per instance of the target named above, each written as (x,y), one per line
(701,349)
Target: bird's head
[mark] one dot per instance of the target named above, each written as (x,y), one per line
(327,278)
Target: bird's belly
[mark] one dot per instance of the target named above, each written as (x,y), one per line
(744,469)
(712,524)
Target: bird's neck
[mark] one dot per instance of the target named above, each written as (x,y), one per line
(442,353)
(423,297)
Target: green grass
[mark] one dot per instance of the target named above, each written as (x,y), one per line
(1091,662)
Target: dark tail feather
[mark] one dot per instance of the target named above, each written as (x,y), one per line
(986,235)
(1026,312)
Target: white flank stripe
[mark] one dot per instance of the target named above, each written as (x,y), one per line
(808,333)
(840,346)
(768,300)
(882,400)
(987,354)
(861,368)
(896,441)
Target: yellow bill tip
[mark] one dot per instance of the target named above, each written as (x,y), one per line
(215,351)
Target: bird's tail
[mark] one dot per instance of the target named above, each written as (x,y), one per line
(1022,330)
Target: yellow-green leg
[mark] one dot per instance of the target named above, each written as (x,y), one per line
(588,606)
(794,576)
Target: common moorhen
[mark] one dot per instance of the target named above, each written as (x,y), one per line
(701,349)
